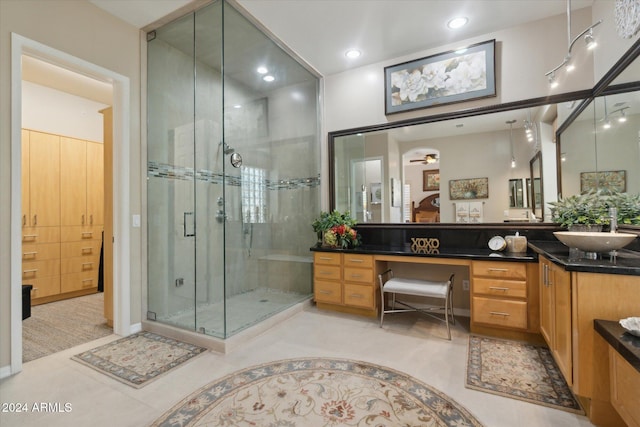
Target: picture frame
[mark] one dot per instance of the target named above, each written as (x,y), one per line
(431,180)
(605,180)
(439,79)
(376,193)
(473,188)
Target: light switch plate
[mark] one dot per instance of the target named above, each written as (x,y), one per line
(136,221)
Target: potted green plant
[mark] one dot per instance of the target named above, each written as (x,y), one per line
(590,211)
(335,229)
(581,212)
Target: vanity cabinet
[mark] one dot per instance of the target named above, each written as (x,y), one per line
(345,282)
(625,388)
(555,314)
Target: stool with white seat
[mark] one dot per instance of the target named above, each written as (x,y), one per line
(421,288)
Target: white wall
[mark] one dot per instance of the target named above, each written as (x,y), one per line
(49,110)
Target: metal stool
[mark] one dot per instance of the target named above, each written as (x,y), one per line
(422,288)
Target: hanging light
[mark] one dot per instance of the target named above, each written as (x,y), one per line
(513,159)
(566,62)
(622,117)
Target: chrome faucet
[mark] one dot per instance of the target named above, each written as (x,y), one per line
(613,219)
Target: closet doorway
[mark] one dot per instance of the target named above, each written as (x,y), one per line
(66,208)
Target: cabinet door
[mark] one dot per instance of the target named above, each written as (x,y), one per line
(44,183)
(95,183)
(73,181)
(562,321)
(546,303)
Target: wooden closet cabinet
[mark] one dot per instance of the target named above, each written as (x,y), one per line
(40,179)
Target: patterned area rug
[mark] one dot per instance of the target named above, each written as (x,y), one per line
(138,359)
(317,392)
(519,371)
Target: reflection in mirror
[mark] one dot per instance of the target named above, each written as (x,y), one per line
(518,193)
(600,148)
(537,198)
(471,148)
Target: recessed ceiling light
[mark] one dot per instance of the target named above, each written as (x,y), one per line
(262,70)
(268,78)
(457,22)
(352,53)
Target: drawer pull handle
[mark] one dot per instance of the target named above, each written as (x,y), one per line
(33,254)
(356,296)
(86,234)
(87,250)
(87,285)
(498,288)
(30,271)
(499,313)
(356,260)
(325,292)
(35,219)
(85,264)
(326,273)
(30,236)
(356,276)
(325,258)
(502,270)
(24,220)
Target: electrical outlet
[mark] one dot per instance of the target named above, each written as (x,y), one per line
(179,282)
(465,285)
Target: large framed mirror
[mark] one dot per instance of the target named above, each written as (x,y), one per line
(487,147)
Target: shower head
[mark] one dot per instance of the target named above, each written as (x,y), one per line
(226,148)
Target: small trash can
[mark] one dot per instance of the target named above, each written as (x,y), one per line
(26,301)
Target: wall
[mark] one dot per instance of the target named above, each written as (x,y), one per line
(86,32)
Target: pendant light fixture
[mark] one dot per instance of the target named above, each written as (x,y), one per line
(566,62)
(513,159)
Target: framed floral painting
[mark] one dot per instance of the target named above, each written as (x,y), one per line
(474,188)
(444,78)
(431,180)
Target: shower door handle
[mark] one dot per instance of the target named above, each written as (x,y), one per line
(189,224)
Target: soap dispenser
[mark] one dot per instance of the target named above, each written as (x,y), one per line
(516,243)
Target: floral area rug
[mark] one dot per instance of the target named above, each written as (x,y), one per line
(317,392)
(138,359)
(519,371)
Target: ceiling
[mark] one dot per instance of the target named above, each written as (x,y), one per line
(320,31)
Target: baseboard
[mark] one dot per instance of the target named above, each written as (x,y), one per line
(135,328)
(5,372)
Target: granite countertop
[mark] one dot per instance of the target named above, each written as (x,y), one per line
(443,252)
(622,341)
(625,262)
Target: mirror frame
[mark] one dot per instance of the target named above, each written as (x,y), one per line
(532,202)
(586,96)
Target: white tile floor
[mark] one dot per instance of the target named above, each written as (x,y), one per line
(414,345)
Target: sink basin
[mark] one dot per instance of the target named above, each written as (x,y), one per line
(590,241)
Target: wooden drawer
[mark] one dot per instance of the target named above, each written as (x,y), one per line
(329,292)
(326,272)
(625,388)
(357,260)
(500,288)
(79,264)
(44,287)
(361,275)
(39,269)
(40,251)
(499,312)
(359,295)
(80,233)
(501,270)
(40,234)
(78,281)
(329,258)
(80,249)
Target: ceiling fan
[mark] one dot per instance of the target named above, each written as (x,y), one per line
(427,159)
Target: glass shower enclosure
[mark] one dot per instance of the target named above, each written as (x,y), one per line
(232,175)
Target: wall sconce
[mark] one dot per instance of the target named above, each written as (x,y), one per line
(566,62)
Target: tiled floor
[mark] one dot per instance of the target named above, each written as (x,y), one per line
(410,344)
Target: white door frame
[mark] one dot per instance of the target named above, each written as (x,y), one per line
(121,183)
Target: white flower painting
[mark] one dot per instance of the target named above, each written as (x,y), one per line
(444,78)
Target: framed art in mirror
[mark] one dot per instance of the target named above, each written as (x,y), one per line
(431,180)
(474,188)
(444,78)
(614,181)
